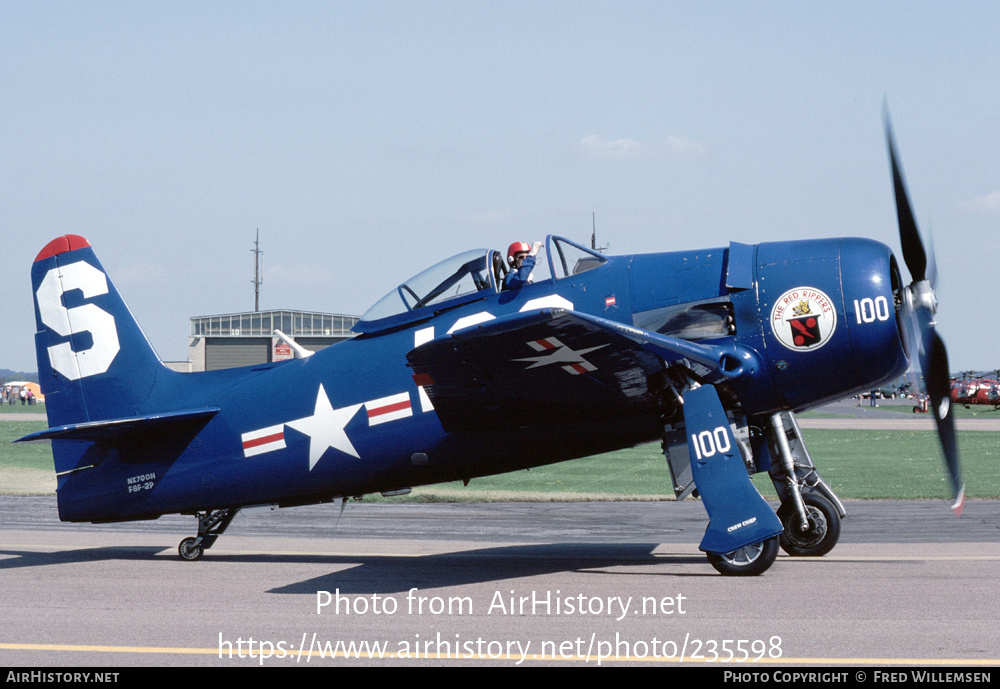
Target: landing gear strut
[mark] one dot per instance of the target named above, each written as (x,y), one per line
(809,512)
(210,527)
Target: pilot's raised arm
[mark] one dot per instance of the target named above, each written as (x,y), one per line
(521,259)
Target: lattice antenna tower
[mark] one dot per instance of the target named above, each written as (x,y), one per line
(258,271)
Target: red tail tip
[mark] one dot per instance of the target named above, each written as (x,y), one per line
(60,245)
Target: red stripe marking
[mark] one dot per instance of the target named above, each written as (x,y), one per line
(389,408)
(578,368)
(247,444)
(546,344)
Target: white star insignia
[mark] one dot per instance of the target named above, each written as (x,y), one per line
(563,355)
(325,428)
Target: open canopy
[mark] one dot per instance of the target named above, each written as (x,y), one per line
(466,277)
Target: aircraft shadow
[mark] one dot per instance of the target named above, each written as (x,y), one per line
(13,559)
(366,574)
(396,574)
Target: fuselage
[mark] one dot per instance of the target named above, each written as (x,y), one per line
(818,317)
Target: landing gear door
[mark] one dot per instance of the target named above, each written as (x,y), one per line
(675,451)
(738,515)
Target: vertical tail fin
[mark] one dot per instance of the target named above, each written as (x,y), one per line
(94,361)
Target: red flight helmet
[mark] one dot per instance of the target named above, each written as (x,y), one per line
(517,248)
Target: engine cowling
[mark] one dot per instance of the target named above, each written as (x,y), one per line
(825,318)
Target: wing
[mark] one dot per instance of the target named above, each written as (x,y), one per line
(537,368)
(553,366)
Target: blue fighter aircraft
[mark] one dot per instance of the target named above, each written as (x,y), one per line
(451,377)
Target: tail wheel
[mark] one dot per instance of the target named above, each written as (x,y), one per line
(819,537)
(748,561)
(190,550)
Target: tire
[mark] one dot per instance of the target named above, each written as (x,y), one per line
(823,532)
(189,551)
(748,561)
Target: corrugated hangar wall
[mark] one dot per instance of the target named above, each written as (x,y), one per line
(250,339)
(227,352)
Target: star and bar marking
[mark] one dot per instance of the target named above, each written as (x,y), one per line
(556,352)
(326,426)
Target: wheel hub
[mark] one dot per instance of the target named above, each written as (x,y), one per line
(812,535)
(745,555)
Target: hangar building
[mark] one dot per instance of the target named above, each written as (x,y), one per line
(245,339)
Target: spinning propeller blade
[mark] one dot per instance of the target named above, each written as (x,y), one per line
(921,304)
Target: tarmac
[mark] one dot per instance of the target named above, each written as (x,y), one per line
(502,584)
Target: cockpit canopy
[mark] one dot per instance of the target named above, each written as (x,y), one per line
(462,278)
(466,273)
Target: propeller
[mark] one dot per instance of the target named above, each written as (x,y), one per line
(921,303)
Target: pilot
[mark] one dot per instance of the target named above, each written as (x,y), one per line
(521,259)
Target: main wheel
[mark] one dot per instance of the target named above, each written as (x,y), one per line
(748,561)
(821,535)
(190,550)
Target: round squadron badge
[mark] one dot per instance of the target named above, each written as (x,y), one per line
(803,319)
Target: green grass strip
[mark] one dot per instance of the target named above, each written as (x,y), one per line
(857,464)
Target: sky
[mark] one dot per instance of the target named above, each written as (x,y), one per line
(368,140)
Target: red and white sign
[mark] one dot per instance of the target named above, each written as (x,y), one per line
(282,351)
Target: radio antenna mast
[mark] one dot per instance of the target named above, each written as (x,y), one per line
(258,271)
(593,236)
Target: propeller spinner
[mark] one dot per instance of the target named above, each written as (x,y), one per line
(920,304)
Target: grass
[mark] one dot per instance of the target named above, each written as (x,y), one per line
(24,469)
(22,409)
(858,464)
(33,456)
(978,411)
(900,465)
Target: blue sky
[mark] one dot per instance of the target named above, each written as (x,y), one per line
(367,140)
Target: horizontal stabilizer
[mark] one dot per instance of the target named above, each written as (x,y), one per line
(121,429)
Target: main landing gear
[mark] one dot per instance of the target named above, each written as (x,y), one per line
(810,512)
(821,532)
(211,524)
